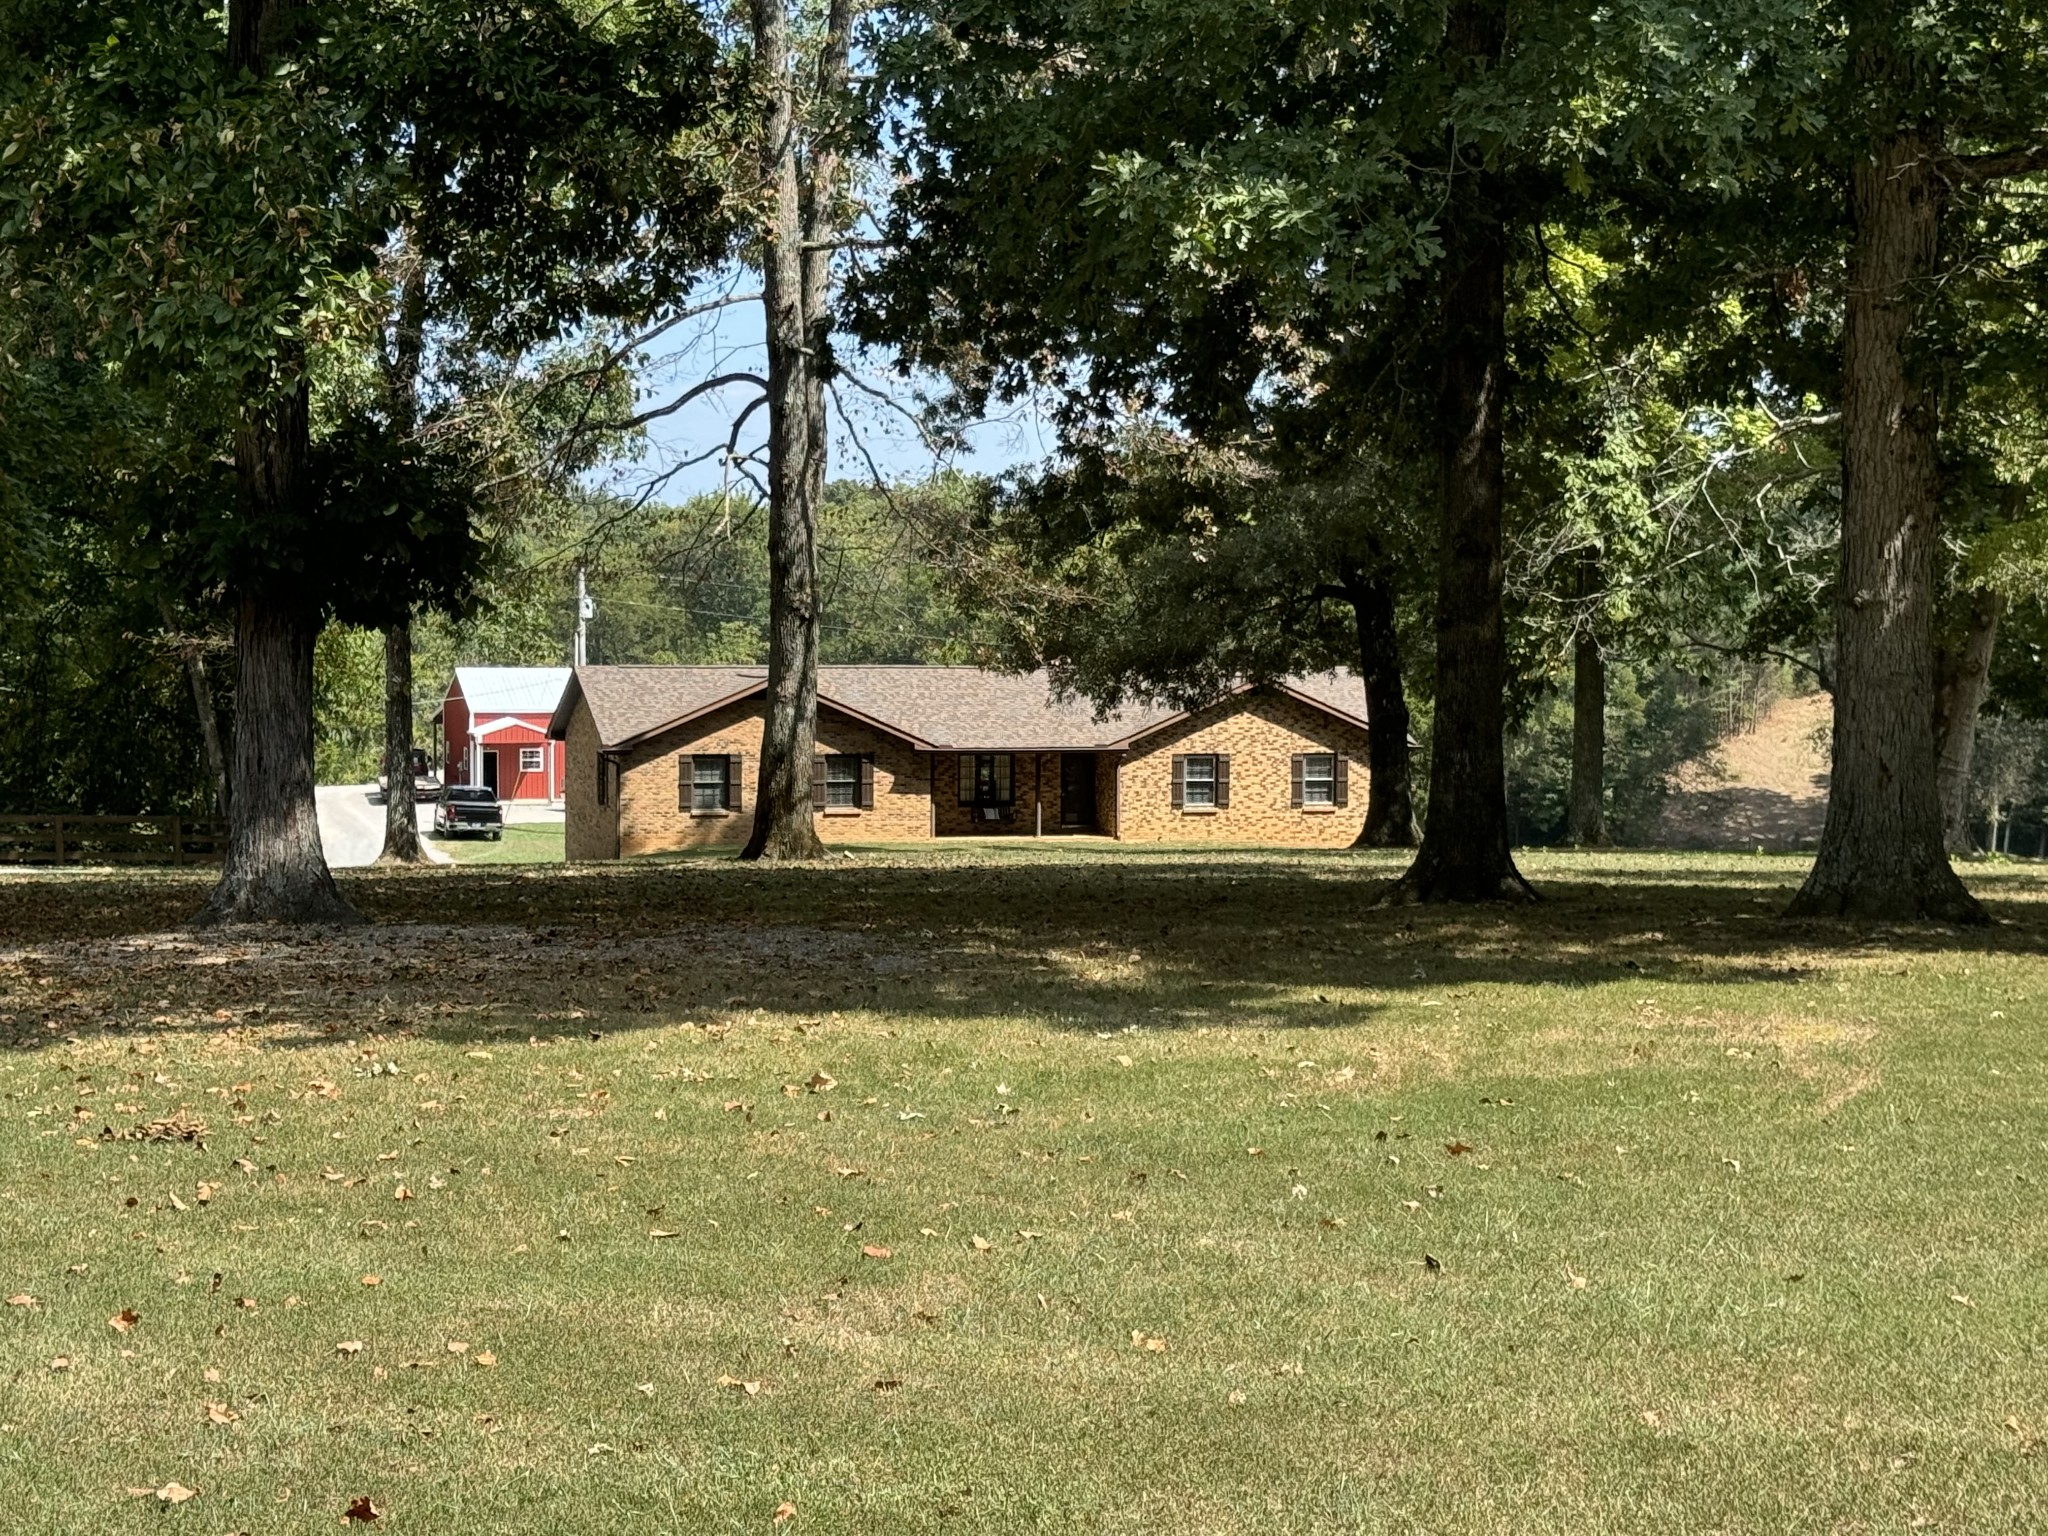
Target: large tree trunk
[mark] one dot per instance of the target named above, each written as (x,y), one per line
(1586,809)
(1961,678)
(1882,853)
(401,815)
(796,265)
(275,870)
(1390,797)
(1464,854)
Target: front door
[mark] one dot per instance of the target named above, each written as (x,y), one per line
(1077,789)
(491,771)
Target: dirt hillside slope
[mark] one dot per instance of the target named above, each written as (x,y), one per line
(1766,788)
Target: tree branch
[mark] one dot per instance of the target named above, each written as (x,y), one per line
(629,423)
(2001,163)
(1820,674)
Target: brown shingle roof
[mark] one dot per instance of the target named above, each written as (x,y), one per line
(934,708)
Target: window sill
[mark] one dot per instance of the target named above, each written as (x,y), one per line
(1317,810)
(1200,810)
(840,810)
(708,815)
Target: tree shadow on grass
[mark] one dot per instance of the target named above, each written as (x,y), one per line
(1087,944)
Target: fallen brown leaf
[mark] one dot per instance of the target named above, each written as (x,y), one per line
(876,1251)
(363,1512)
(784,1511)
(220,1413)
(124,1319)
(176,1493)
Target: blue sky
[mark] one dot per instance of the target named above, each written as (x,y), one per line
(729,340)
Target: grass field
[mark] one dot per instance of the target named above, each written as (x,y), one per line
(524,842)
(1024,1190)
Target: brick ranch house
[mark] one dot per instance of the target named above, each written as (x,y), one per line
(667,758)
(494,731)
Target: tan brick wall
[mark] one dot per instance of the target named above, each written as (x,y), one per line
(655,819)
(590,831)
(1262,732)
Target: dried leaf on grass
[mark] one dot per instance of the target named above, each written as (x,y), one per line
(177,1127)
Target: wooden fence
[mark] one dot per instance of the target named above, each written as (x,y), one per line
(173,840)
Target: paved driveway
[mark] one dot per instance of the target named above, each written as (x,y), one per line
(352,825)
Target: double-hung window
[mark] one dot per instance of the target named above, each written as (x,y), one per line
(710,783)
(529,759)
(1319,779)
(842,783)
(1199,781)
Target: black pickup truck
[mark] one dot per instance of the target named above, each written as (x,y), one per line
(464,809)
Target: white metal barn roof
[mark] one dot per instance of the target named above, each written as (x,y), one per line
(511,690)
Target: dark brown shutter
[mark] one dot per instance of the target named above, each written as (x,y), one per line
(818,783)
(686,778)
(1298,770)
(736,782)
(1340,785)
(603,787)
(1223,781)
(1180,781)
(867,782)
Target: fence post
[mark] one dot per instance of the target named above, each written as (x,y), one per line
(57,858)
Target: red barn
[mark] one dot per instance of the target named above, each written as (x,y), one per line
(494,731)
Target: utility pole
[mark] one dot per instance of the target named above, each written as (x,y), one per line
(586,610)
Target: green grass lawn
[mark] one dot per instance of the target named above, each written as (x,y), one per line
(526,842)
(1025,1189)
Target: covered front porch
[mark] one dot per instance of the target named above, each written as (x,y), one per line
(1024,794)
